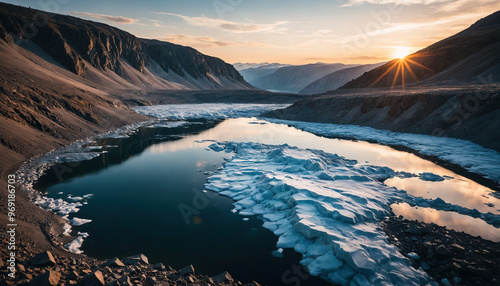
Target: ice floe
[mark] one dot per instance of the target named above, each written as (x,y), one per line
(206,110)
(466,154)
(74,246)
(79,221)
(324,206)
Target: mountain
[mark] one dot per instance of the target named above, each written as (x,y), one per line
(111,57)
(251,72)
(295,78)
(337,79)
(469,57)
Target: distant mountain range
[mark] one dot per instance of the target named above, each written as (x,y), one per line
(290,78)
(251,72)
(469,57)
(111,57)
(337,79)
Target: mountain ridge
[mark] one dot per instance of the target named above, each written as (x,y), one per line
(430,65)
(80,45)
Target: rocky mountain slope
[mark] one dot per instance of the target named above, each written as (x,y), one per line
(295,78)
(469,57)
(337,79)
(107,55)
(252,72)
(466,112)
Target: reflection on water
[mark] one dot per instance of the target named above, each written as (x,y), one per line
(453,220)
(161,166)
(460,192)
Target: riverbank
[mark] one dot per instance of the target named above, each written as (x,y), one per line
(463,112)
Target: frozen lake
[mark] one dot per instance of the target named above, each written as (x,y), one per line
(257,198)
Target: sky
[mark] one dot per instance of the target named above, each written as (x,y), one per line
(285,31)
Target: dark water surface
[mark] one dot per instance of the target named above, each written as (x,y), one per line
(148,197)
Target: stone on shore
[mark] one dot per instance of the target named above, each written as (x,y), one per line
(114,262)
(93,279)
(223,277)
(136,260)
(43,259)
(49,278)
(186,270)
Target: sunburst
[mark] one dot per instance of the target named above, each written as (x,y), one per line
(403,65)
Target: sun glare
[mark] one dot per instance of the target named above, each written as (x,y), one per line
(401,52)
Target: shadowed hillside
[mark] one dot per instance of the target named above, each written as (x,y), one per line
(469,57)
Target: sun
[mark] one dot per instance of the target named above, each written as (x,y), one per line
(401,52)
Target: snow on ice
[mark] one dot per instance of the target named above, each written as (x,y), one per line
(322,205)
(206,110)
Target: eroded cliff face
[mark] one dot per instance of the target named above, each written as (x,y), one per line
(74,43)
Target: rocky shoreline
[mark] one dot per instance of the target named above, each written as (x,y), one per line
(46,268)
(448,256)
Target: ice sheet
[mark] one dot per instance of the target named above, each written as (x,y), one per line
(324,206)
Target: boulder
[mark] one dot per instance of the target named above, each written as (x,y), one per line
(114,262)
(186,270)
(43,259)
(150,281)
(73,275)
(159,266)
(136,260)
(413,229)
(93,279)
(49,278)
(442,250)
(125,281)
(223,277)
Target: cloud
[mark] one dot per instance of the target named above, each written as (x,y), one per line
(229,25)
(207,42)
(399,27)
(114,19)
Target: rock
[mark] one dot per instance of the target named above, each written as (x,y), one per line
(413,256)
(20,267)
(442,250)
(93,279)
(425,266)
(114,262)
(125,281)
(136,260)
(50,277)
(223,277)
(189,278)
(413,229)
(445,282)
(253,283)
(73,275)
(43,259)
(151,281)
(186,270)
(159,266)
(457,247)
(113,283)
(25,276)
(456,266)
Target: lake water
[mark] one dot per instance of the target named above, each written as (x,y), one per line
(148,197)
